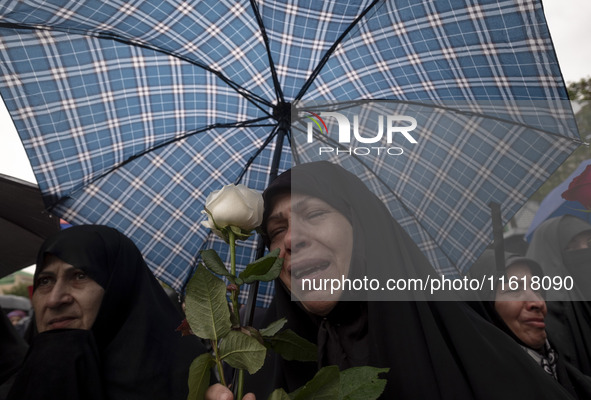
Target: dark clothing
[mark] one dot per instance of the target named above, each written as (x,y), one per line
(567,375)
(12,353)
(569,319)
(132,350)
(62,364)
(435,350)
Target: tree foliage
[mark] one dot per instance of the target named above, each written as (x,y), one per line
(21,289)
(580,93)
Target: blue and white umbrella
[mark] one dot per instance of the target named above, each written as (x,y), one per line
(133,111)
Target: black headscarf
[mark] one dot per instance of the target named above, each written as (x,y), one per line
(569,318)
(548,247)
(132,350)
(12,353)
(435,350)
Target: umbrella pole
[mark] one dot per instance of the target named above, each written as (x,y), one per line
(498,240)
(252,294)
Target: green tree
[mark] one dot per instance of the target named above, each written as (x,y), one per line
(18,290)
(580,91)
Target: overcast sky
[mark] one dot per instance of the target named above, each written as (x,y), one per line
(570,27)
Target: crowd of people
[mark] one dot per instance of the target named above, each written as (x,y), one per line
(105,328)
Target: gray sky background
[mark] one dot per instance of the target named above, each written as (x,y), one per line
(570,27)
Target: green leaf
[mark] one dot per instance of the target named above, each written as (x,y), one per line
(279,394)
(266,268)
(290,346)
(199,373)
(324,386)
(206,305)
(234,320)
(362,383)
(214,263)
(250,331)
(242,351)
(273,328)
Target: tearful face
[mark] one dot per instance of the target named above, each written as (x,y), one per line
(315,241)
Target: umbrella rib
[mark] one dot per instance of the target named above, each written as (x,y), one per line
(352,103)
(259,150)
(331,50)
(294,152)
(248,95)
(257,14)
(242,124)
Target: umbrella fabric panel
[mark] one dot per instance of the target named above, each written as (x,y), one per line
(301,33)
(13,302)
(92,104)
(216,35)
(407,50)
(443,50)
(158,200)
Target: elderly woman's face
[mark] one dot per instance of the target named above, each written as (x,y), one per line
(315,241)
(65,297)
(522,309)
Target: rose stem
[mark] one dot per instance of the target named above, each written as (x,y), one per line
(218,361)
(234,293)
(240,383)
(234,297)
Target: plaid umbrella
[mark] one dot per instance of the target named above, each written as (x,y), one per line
(131,112)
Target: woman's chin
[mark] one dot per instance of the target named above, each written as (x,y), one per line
(320,308)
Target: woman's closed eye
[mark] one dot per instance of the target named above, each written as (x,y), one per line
(316,214)
(276,230)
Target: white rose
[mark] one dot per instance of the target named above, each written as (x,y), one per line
(234,205)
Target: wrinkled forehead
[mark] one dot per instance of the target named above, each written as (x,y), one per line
(523,264)
(50,265)
(519,268)
(88,255)
(271,204)
(49,259)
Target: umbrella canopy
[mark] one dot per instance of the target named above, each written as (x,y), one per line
(24,224)
(132,112)
(554,205)
(11,302)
